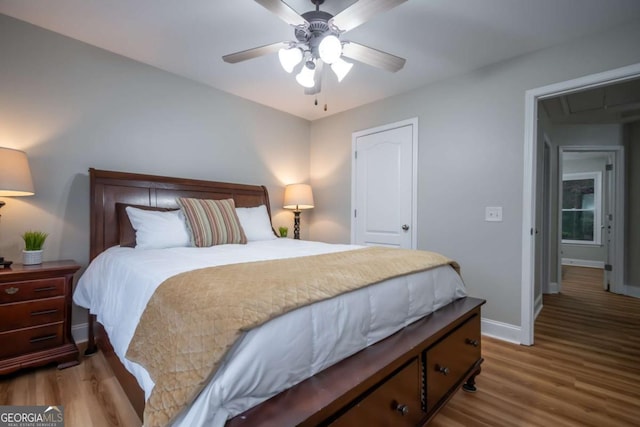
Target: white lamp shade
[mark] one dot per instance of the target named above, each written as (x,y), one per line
(341,68)
(305,77)
(289,58)
(298,196)
(15,175)
(330,49)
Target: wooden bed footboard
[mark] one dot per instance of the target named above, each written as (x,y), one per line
(403,380)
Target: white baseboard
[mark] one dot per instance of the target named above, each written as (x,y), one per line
(552,288)
(632,291)
(537,306)
(501,331)
(80,332)
(583,263)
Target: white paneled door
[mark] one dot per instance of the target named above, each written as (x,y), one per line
(384,186)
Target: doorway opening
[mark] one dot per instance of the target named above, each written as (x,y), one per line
(532,168)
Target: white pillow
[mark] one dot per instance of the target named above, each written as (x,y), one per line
(157,229)
(256,223)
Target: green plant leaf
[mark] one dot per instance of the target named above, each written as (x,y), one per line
(34,240)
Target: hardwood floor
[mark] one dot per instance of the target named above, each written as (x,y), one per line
(583,370)
(89,392)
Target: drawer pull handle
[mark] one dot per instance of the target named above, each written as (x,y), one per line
(11,290)
(443,370)
(403,409)
(43,312)
(474,343)
(44,338)
(48,288)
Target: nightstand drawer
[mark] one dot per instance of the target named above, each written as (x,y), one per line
(31,289)
(31,313)
(31,339)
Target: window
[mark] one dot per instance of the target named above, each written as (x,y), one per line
(581,207)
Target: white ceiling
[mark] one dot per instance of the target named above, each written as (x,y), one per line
(439,38)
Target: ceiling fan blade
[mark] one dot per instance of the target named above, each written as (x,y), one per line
(317,77)
(283,11)
(373,57)
(360,12)
(232,58)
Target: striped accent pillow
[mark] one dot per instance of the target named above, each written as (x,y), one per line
(212,222)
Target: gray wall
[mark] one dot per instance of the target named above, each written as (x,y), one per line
(632,215)
(71,106)
(471,131)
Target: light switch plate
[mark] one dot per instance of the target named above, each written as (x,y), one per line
(493,213)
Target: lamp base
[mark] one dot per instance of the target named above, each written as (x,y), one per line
(296,225)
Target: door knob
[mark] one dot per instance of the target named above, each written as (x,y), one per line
(405,227)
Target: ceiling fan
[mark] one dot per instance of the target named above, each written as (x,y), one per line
(319,41)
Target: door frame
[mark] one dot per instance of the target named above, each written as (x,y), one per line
(617,249)
(413,122)
(545,272)
(532,97)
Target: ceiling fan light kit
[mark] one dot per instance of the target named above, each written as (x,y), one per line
(289,58)
(306,76)
(330,49)
(319,40)
(341,68)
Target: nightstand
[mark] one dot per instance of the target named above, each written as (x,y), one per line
(35,316)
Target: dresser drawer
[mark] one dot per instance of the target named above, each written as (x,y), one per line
(31,313)
(384,406)
(31,339)
(31,289)
(448,361)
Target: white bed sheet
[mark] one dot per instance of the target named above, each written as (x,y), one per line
(119,282)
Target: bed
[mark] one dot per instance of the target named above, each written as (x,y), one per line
(403,377)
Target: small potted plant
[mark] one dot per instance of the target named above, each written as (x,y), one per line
(33,242)
(283,231)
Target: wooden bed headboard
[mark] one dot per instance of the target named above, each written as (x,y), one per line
(109,188)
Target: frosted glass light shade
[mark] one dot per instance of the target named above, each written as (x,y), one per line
(15,175)
(289,58)
(330,49)
(298,196)
(341,68)
(305,77)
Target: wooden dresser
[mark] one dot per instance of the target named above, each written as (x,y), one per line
(386,385)
(35,315)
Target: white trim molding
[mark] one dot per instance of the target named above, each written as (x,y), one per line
(501,331)
(532,97)
(583,263)
(632,291)
(552,288)
(80,332)
(537,307)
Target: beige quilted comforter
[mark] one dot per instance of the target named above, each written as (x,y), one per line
(193,318)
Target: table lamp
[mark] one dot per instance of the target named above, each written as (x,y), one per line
(15,179)
(297,197)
